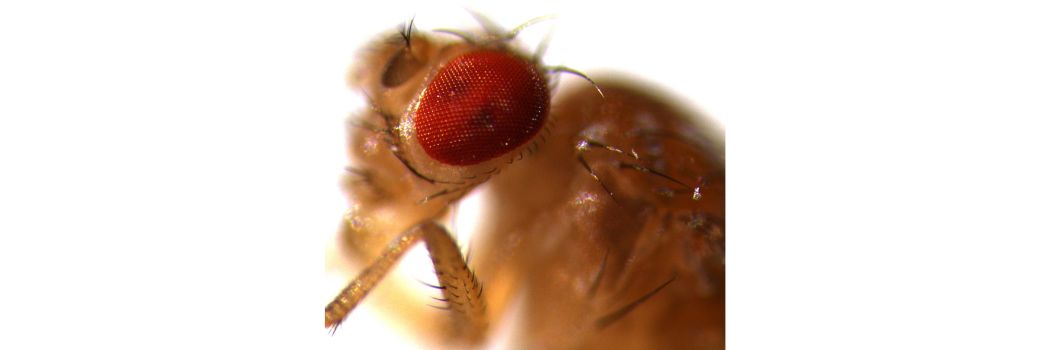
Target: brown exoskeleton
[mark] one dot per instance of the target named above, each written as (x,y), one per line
(607,229)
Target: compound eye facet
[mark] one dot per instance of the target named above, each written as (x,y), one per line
(480,106)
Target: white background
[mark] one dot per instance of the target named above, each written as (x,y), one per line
(168,171)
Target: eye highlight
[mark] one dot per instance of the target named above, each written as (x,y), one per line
(481,105)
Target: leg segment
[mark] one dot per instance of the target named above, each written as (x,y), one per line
(457,282)
(348,299)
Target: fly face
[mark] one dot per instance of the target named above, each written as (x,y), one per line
(446,114)
(607,221)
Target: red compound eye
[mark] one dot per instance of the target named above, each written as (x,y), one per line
(481,105)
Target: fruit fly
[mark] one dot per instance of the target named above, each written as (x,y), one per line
(606,227)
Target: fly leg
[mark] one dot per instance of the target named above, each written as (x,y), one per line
(457,282)
(350,296)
